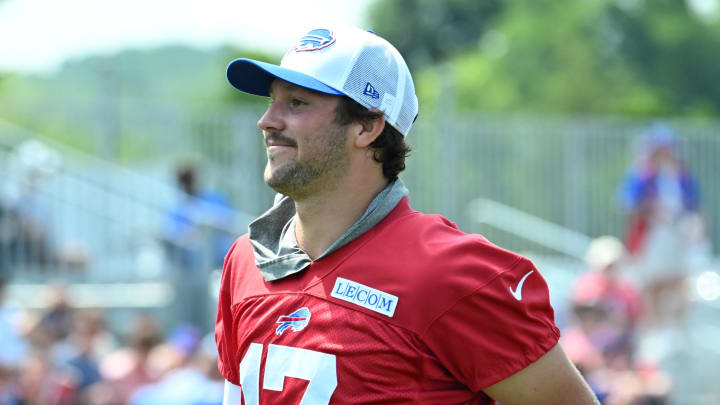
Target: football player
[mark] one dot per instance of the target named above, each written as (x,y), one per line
(341,293)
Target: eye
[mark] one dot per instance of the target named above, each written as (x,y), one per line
(297,102)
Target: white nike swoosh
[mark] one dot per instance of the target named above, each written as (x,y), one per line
(517,293)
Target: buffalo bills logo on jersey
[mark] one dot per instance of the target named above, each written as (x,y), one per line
(298,320)
(314,40)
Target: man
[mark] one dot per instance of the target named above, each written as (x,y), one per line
(345,289)
(665,226)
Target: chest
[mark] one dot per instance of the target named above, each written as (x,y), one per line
(301,348)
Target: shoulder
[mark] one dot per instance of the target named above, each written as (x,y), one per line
(470,301)
(239,252)
(238,259)
(239,248)
(433,265)
(439,250)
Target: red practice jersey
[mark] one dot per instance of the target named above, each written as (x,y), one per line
(413,311)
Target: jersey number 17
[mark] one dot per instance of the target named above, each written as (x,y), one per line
(285,361)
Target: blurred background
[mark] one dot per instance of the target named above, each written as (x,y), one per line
(582,134)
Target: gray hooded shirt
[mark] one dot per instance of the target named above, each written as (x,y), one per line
(276,249)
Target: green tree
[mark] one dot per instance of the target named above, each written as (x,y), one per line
(548,57)
(675,50)
(618,57)
(428,31)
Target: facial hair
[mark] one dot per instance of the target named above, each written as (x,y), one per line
(324,161)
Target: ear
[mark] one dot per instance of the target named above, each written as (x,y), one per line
(367,133)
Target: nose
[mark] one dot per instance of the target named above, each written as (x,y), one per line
(271,121)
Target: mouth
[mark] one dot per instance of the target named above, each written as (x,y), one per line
(275,151)
(276,141)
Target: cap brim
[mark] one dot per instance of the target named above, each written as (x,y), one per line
(255,77)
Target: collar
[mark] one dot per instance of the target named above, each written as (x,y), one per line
(275,247)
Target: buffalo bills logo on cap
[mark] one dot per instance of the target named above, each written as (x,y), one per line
(314,40)
(298,320)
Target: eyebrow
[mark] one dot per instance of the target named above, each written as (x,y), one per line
(288,86)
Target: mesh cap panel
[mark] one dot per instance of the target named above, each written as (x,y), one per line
(377,80)
(372,78)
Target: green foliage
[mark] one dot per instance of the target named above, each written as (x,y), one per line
(644,58)
(110,104)
(525,64)
(676,51)
(428,31)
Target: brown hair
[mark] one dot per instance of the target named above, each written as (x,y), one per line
(389,148)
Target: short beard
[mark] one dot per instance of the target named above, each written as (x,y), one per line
(299,180)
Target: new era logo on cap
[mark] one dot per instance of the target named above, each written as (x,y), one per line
(370,91)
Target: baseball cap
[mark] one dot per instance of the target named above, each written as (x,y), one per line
(660,135)
(604,251)
(339,60)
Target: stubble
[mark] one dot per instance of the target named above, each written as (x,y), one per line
(324,162)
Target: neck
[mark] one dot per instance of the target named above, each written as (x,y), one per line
(323,217)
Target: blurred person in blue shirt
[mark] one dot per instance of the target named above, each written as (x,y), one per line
(197,233)
(80,353)
(197,224)
(25,219)
(662,199)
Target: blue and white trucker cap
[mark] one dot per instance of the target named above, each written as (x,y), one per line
(341,60)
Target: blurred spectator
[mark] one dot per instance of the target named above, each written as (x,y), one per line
(62,355)
(601,341)
(198,224)
(81,352)
(25,237)
(197,235)
(54,323)
(605,287)
(13,347)
(7,236)
(192,377)
(9,392)
(662,199)
(40,382)
(13,351)
(129,368)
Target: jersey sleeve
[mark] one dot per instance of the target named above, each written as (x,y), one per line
(224,337)
(497,330)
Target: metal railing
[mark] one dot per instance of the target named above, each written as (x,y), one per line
(99,228)
(526,226)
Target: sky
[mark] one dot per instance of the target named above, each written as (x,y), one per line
(37,36)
